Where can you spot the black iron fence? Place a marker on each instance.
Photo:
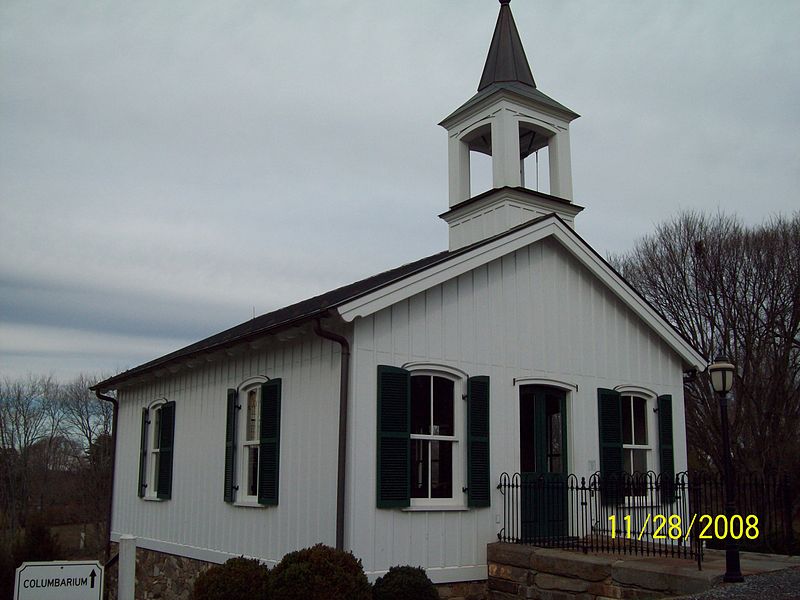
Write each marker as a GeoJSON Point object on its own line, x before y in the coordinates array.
{"type": "Point", "coordinates": [645, 513]}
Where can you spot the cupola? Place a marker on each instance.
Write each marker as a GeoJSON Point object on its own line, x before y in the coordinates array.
{"type": "Point", "coordinates": [508, 119]}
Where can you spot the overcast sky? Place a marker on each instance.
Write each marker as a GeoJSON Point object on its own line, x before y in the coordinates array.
{"type": "Point", "coordinates": [167, 167]}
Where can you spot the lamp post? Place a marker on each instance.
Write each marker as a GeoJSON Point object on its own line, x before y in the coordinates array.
{"type": "Point", "coordinates": [721, 372]}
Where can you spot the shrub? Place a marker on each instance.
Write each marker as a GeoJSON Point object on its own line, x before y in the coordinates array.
{"type": "Point", "coordinates": [238, 579]}
{"type": "Point", "coordinates": [404, 583]}
{"type": "Point", "coordinates": [320, 572]}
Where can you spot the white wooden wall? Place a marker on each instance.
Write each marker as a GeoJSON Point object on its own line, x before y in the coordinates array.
{"type": "Point", "coordinates": [534, 313]}
{"type": "Point", "coordinates": [196, 522]}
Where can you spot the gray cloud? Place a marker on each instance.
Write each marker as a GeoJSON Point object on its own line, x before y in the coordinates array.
{"type": "Point", "coordinates": [166, 167]}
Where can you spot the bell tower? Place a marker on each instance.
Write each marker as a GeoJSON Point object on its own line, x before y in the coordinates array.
{"type": "Point", "coordinates": [508, 119]}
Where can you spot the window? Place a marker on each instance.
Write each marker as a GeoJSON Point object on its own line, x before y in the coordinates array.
{"type": "Point", "coordinates": [422, 429]}
{"type": "Point", "coordinates": [155, 461]}
{"type": "Point", "coordinates": [252, 444]}
{"type": "Point", "coordinates": [635, 450]}
{"type": "Point", "coordinates": [625, 441]}
{"type": "Point", "coordinates": [434, 440]}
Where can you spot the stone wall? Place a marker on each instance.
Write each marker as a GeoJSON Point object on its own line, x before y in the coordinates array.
{"type": "Point", "coordinates": [517, 571]}
{"type": "Point", "coordinates": [159, 576]}
{"type": "Point", "coordinates": [469, 590]}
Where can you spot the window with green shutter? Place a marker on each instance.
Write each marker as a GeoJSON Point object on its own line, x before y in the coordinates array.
{"type": "Point", "coordinates": [230, 446]}
{"type": "Point", "coordinates": [252, 442]}
{"type": "Point", "coordinates": [478, 468]}
{"type": "Point", "coordinates": [142, 490]}
{"type": "Point", "coordinates": [156, 450]}
{"type": "Point", "coordinates": [432, 446]}
{"type": "Point", "coordinates": [609, 418]}
{"type": "Point", "coordinates": [166, 437]}
{"type": "Point", "coordinates": [666, 452]}
{"type": "Point", "coordinates": [394, 422]}
{"type": "Point", "coordinates": [269, 442]}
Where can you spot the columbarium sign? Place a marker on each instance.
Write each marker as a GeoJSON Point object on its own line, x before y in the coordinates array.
{"type": "Point", "coordinates": [59, 580]}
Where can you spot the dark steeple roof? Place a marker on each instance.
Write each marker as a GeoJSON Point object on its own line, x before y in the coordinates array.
{"type": "Point", "coordinates": [506, 61]}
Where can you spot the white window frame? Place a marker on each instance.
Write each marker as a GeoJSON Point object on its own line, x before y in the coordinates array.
{"type": "Point", "coordinates": [152, 441]}
{"type": "Point", "coordinates": [243, 444]}
{"type": "Point", "coordinates": [458, 439]}
{"type": "Point", "coordinates": [628, 397]}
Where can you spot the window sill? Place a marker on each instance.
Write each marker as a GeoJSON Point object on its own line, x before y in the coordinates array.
{"type": "Point", "coordinates": [152, 499]}
{"type": "Point", "coordinates": [249, 504]}
{"type": "Point", "coordinates": [436, 508]}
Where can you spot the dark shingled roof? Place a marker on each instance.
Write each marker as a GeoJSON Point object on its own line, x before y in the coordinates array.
{"type": "Point", "coordinates": [318, 306]}
{"type": "Point", "coordinates": [299, 312]}
{"type": "Point", "coordinates": [506, 61]}
{"type": "Point", "coordinates": [507, 69]}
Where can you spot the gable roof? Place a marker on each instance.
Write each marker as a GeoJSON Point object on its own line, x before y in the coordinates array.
{"type": "Point", "coordinates": [373, 293]}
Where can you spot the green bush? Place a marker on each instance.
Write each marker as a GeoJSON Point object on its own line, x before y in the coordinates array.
{"type": "Point", "coordinates": [320, 572]}
{"type": "Point", "coordinates": [238, 579]}
{"type": "Point", "coordinates": [404, 583]}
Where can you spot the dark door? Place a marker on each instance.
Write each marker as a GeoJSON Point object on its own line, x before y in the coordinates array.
{"type": "Point", "coordinates": [543, 462]}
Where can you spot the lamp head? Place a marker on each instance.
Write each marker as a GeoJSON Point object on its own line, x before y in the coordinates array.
{"type": "Point", "coordinates": [721, 371]}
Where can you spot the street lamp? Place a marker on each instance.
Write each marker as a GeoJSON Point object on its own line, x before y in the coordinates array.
{"type": "Point", "coordinates": [721, 372]}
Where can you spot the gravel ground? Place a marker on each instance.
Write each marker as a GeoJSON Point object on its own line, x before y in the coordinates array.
{"type": "Point", "coordinates": [778, 585]}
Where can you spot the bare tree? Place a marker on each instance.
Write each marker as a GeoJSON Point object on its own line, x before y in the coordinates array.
{"type": "Point", "coordinates": [87, 417]}
{"type": "Point", "coordinates": [732, 290]}
{"type": "Point", "coordinates": [89, 421]}
{"type": "Point", "coordinates": [30, 416]}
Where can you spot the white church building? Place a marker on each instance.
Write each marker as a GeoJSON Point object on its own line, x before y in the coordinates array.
{"type": "Point", "coordinates": [378, 417]}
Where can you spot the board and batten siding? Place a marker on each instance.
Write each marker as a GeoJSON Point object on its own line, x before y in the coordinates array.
{"type": "Point", "coordinates": [536, 312]}
{"type": "Point", "coordinates": [196, 522]}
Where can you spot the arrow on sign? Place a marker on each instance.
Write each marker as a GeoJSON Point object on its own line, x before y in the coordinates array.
{"type": "Point", "coordinates": [92, 575]}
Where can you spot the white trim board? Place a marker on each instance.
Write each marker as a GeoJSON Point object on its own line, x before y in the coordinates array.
{"type": "Point", "coordinates": [552, 227]}
{"type": "Point", "coordinates": [436, 574]}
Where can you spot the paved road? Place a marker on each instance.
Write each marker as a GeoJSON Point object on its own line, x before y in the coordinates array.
{"type": "Point", "coordinates": [776, 585]}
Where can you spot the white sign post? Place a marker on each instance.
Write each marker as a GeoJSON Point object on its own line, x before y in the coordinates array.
{"type": "Point", "coordinates": [59, 580]}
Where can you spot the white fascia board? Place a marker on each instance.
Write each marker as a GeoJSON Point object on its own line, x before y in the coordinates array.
{"type": "Point", "coordinates": [441, 272]}
{"type": "Point", "coordinates": [552, 227]}
{"type": "Point", "coordinates": [580, 250]}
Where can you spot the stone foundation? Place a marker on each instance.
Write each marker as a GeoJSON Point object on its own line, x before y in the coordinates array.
{"type": "Point", "coordinates": [159, 576]}
{"type": "Point", "coordinates": [517, 571]}
{"type": "Point", "coordinates": [468, 590]}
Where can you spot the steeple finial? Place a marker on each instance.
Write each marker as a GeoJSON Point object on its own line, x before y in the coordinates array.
{"type": "Point", "coordinates": [506, 61]}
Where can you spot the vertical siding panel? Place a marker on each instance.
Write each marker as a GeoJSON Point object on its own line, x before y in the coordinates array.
{"type": "Point", "coordinates": [523, 310]}
{"type": "Point", "coordinates": [417, 327]}
{"type": "Point", "coordinates": [450, 318]}
{"type": "Point", "coordinates": [400, 331]}
{"type": "Point", "coordinates": [510, 329]}
{"type": "Point", "coordinates": [383, 334]}
{"type": "Point", "coordinates": [480, 287]}
{"type": "Point", "coordinates": [433, 321]}
{"type": "Point", "coordinates": [466, 318]}
{"type": "Point", "coordinates": [496, 319]}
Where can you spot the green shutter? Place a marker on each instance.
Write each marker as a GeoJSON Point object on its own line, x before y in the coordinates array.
{"type": "Point", "coordinates": [478, 471]}
{"type": "Point", "coordinates": [666, 452]}
{"type": "Point", "coordinates": [609, 417]}
{"type": "Point", "coordinates": [394, 427]}
{"type": "Point", "coordinates": [143, 455]}
{"type": "Point", "coordinates": [165, 448]}
{"type": "Point", "coordinates": [230, 447]}
{"type": "Point", "coordinates": [270, 444]}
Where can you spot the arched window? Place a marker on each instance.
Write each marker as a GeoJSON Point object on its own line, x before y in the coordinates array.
{"type": "Point", "coordinates": [157, 442]}
{"type": "Point", "coordinates": [252, 442]}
